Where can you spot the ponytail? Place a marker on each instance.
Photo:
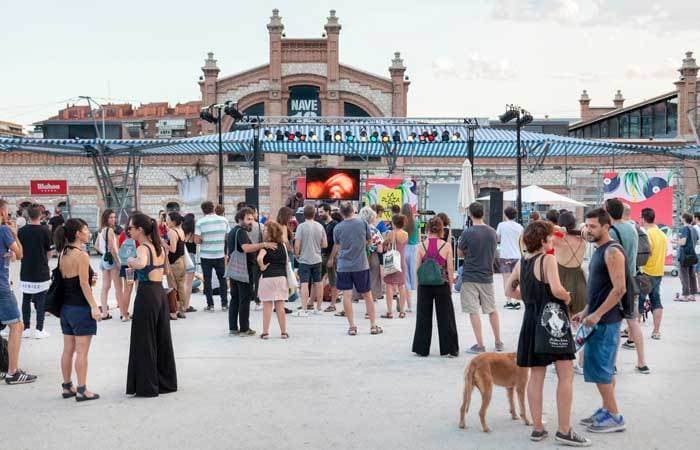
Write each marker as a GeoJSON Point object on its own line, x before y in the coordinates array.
{"type": "Point", "coordinates": [150, 229]}
{"type": "Point", "coordinates": [154, 235]}
{"type": "Point", "coordinates": [59, 238]}
{"type": "Point", "coordinates": [67, 233]}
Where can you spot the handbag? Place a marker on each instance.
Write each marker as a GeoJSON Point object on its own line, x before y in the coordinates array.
{"type": "Point", "coordinates": [553, 330]}
{"type": "Point", "coordinates": [172, 300]}
{"type": "Point", "coordinates": [108, 257]}
{"type": "Point", "coordinates": [392, 259]}
{"type": "Point", "coordinates": [189, 263]}
{"type": "Point", "coordinates": [237, 268]}
{"type": "Point", "coordinates": [292, 283]}
{"type": "Point", "coordinates": [54, 296]}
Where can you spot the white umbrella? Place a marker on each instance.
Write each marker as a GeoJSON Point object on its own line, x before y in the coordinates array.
{"type": "Point", "coordinates": [536, 194]}
{"type": "Point", "coordinates": [466, 188]}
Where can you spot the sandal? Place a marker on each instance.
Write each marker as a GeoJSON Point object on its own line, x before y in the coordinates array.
{"type": "Point", "coordinates": [284, 335]}
{"type": "Point", "coordinates": [264, 336]}
{"type": "Point", "coordinates": [386, 316]}
{"type": "Point", "coordinates": [376, 330]}
{"type": "Point", "coordinates": [366, 315]}
{"type": "Point", "coordinates": [68, 387]}
{"type": "Point", "coordinates": [656, 336]}
{"type": "Point", "coordinates": [329, 309]}
{"type": "Point", "coordinates": [402, 315]}
{"type": "Point", "coordinates": [109, 316]}
{"type": "Point", "coordinates": [81, 397]}
{"type": "Point", "coordinates": [352, 331]}
{"type": "Point", "coordinates": [181, 315]}
{"type": "Point", "coordinates": [340, 314]}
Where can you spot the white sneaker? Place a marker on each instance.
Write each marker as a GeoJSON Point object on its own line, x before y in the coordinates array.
{"type": "Point", "coordinates": [258, 306]}
{"type": "Point", "coordinates": [318, 312]}
{"type": "Point", "coordinates": [5, 333]}
{"type": "Point", "coordinates": [27, 333]}
{"type": "Point", "coordinates": [301, 313]}
{"type": "Point", "coordinates": [578, 370]}
{"type": "Point", "coordinates": [41, 334]}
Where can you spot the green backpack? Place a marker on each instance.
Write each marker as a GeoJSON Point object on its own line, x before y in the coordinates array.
{"type": "Point", "coordinates": [430, 273]}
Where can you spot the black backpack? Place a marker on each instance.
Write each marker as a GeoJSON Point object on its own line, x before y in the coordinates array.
{"type": "Point", "coordinates": [4, 356]}
{"type": "Point", "coordinates": [628, 301]}
{"type": "Point", "coordinates": [643, 247]}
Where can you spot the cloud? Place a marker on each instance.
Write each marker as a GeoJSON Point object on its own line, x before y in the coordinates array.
{"type": "Point", "coordinates": [473, 67]}
{"type": "Point", "coordinates": [581, 77]}
{"type": "Point", "coordinates": [664, 72]}
{"type": "Point", "coordinates": [671, 16]}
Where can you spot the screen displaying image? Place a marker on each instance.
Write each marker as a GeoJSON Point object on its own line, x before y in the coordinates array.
{"type": "Point", "coordinates": [332, 184]}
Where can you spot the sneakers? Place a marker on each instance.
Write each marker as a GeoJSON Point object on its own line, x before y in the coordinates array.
{"type": "Point", "coordinates": [20, 377]}
{"type": "Point", "coordinates": [209, 308]}
{"type": "Point", "coordinates": [41, 334]}
{"type": "Point", "coordinates": [317, 312]}
{"type": "Point", "coordinates": [512, 305]}
{"type": "Point", "coordinates": [234, 333]}
{"type": "Point", "coordinates": [224, 307]}
{"type": "Point", "coordinates": [248, 332]}
{"type": "Point", "coordinates": [500, 346]}
{"type": "Point", "coordinates": [572, 439]}
{"type": "Point", "coordinates": [258, 306]}
{"type": "Point", "coordinates": [5, 333]}
{"type": "Point", "coordinates": [588, 421]}
{"type": "Point", "coordinates": [27, 333]}
{"type": "Point", "coordinates": [629, 345]}
{"type": "Point", "coordinates": [578, 370]}
{"type": "Point", "coordinates": [539, 435]}
{"type": "Point", "coordinates": [301, 313]}
{"type": "Point", "coordinates": [607, 423]}
{"type": "Point", "coordinates": [475, 349]}
{"type": "Point", "coordinates": [644, 369]}
{"type": "Point", "coordinates": [624, 334]}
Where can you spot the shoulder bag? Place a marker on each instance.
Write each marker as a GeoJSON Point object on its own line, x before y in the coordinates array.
{"type": "Point", "coordinates": [237, 268]}
{"type": "Point", "coordinates": [54, 296]}
{"type": "Point", "coordinates": [392, 258]}
{"type": "Point", "coordinates": [292, 283]}
{"type": "Point", "coordinates": [553, 329]}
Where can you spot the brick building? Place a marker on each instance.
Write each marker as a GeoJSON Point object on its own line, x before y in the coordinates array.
{"type": "Point", "coordinates": [10, 129]}
{"type": "Point", "coordinates": [304, 77]}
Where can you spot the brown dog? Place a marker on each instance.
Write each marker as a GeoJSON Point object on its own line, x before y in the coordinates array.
{"type": "Point", "coordinates": [488, 369]}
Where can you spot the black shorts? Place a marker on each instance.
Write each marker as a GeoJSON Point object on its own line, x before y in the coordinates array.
{"type": "Point", "coordinates": [77, 321]}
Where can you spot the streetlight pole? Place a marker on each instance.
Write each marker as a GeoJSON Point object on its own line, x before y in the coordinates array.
{"type": "Point", "coordinates": [221, 157]}
{"type": "Point", "coordinates": [256, 164]}
{"type": "Point", "coordinates": [522, 118]}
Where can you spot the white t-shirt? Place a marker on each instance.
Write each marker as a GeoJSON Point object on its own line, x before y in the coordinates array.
{"type": "Point", "coordinates": [509, 233]}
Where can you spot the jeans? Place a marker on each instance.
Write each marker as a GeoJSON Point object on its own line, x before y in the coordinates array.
{"type": "Point", "coordinates": [411, 276]}
{"type": "Point", "coordinates": [239, 312]}
{"type": "Point", "coordinates": [38, 299]}
{"type": "Point", "coordinates": [688, 280]}
{"type": "Point", "coordinates": [217, 265]}
{"type": "Point", "coordinates": [654, 295]}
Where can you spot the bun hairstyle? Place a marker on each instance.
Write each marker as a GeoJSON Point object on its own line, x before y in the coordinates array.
{"type": "Point", "coordinates": [67, 233]}
{"type": "Point", "coordinates": [436, 225]}
{"type": "Point", "coordinates": [150, 229]}
{"type": "Point", "coordinates": [175, 217]}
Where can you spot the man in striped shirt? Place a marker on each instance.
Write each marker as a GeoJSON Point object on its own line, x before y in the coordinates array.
{"type": "Point", "coordinates": [210, 233]}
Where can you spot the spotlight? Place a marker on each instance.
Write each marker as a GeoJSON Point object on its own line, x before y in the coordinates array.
{"type": "Point", "coordinates": [431, 136]}
{"type": "Point", "coordinates": [423, 137]}
{"type": "Point", "coordinates": [349, 137]}
{"type": "Point", "coordinates": [385, 137]}
{"type": "Point", "coordinates": [363, 135]}
{"type": "Point", "coordinates": [445, 136]}
{"type": "Point", "coordinates": [338, 136]}
{"type": "Point", "coordinates": [457, 136]}
{"type": "Point", "coordinates": [327, 136]}
{"type": "Point", "coordinates": [411, 137]}
{"type": "Point", "coordinates": [525, 118]}
{"type": "Point", "coordinates": [397, 136]}
{"type": "Point", "coordinates": [207, 116]}
{"type": "Point", "coordinates": [290, 136]}
{"type": "Point", "coordinates": [312, 136]}
{"type": "Point", "coordinates": [279, 135]}
{"type": "Point", "coordinates": [374, 137]}
{"type": "Point", "coordinates": [510, 114]}
{"type": "Point", "coordinates": [231, 110]}
{"type": "Point", "coordinates": [268, 135]}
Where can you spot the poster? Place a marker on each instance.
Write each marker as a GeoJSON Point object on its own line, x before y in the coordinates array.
{"type": "Point", "coordinates": [642, 189]}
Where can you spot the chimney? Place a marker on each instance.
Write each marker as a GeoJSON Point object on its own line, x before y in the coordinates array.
{"type": "Point", "coordinates": [687, 87]}
{"type": "Point", "coordinates": [585, 102]}
{"type": "Point", "coordinates": [619, 100]}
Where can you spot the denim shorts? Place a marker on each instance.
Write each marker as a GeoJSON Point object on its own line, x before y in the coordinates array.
{"type": "Point", "coordinates": [600, 353]}
{"type": "Point", "coordinates": [9, 312]}
{"type": "Point", "coordinates": [104, 265]}
{"type": "Point", "coordinates": [309, 273]}
{"type": "Point", "coordinates": [77, 321]}
{"type": "Point", "coordinates": [360, 280]}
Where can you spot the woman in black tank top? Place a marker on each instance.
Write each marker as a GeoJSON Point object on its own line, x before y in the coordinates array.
{"type": "Point", "coordinates": [535, 279]}
{"type": "Point", "coordinates": [176, 257]}
{"type": "Point", "coordinates": [191, 246]}
{"type": "Point", "coordinates": [79, 310]}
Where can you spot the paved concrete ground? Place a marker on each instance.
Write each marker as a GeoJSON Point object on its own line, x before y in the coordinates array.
{"type": "Point", "coordinates": [322, 389]}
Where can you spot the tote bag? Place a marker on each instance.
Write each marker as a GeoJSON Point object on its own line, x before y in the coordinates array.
{"type": "Point", "coordinates": [553, 330]}
{"type": "Point", "coordinates": [237, 268]}
{"type": "Point", "coordinates": [189, 263]}
{"type": "Point", "coordinates": [54, 296]}
{"type": "Point", "coordinates": [291, 277]}
{"type": "Point", "coordinates": [392, 259]}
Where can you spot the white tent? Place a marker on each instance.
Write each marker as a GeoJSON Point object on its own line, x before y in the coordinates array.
{"type": "Point", "coordinates": [536, 194]}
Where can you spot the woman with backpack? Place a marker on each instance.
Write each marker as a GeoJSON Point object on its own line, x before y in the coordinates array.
{"type": "Point", "coordinates": [127, 249]}
{"type": "Point", "coordinates": [435, 270]}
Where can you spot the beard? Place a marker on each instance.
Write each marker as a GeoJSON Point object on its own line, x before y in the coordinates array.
{"type": "Point", "coordinates": [248, 226]}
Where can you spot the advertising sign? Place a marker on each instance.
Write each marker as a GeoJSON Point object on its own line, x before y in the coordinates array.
{"type": "Point", "coordinates": [48, 187]}
{"type": "Point", "coordinates": [303, 102]}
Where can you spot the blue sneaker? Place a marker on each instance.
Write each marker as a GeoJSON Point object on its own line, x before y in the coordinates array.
{"type": "Point", "coordinates": [588, 421]}
{"type": "Point", "coordinates": [607, 423]}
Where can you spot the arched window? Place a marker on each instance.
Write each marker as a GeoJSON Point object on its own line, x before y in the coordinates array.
{"type": "Point", "coordinates": [352, 110]}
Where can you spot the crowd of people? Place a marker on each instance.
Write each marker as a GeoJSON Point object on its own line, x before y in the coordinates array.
{"type": "Point", "coordinates": [320, 253]}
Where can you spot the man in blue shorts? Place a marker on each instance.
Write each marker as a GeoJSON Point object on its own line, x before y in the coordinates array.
{"type": "Point", "coordinates": [9, 313]}
{"type": "Point", "coordinates": [350, 238]}
{"type": "Point", "coordinates": [606, 286]}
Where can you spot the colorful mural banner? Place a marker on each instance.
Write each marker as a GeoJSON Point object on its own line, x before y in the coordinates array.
{"type": "Point", "coordinates": [388, 192]}
{"type": "Point", "coordinates": [638, 189]}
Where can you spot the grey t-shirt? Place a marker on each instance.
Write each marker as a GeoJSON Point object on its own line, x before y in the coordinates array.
{"type": "Point", "coordinates": [478, 243]}
{"type": "Point", "coordinates": [627, 236]}
{"type": "Point", "coordinates": [312, 236]}
{"type": "Point", "coordinates": [352, 236]}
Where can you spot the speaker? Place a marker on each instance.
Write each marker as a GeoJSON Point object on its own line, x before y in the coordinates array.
{"type": "Point", "coordinates": [250, 196]}
{"type": "Point", "coordinates": [495, 208]}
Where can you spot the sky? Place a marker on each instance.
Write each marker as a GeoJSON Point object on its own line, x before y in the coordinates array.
{"type": "Point", "coordinates": [464, 58]}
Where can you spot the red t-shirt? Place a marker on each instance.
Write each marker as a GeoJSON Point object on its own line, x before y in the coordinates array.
{"type": "Point", "coordinates": [122, 238]}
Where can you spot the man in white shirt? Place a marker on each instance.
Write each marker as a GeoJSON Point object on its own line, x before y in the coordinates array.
{"type": "Point", "coordinates": [210, 233]}
{"type": "Point", "coordinates": [509, 232]}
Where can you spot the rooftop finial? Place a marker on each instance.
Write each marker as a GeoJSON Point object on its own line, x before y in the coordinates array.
{"type": "Point", "coordinates": [397, 62]}
{"type": "Point", "coordinates": [584, 96]}
{"type": "Point", "coordinates": [618, 96]}
{"type": "Point", "coordinates": [275, 24]}
{"type": "Point", "coordinates": [210, 62]}
{"type": "Point", "coordinates": [332, 24]}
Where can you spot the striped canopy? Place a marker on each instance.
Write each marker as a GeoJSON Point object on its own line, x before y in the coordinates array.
{"type": "Point", "coordinates": [488, 143]}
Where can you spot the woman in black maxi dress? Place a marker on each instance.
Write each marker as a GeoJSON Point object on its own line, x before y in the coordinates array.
{"type": "Point", "coordinates": [151, 358]}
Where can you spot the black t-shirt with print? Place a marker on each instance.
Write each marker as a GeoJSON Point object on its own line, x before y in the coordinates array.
{"type": "Point", "coordinates": [36, 242]}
